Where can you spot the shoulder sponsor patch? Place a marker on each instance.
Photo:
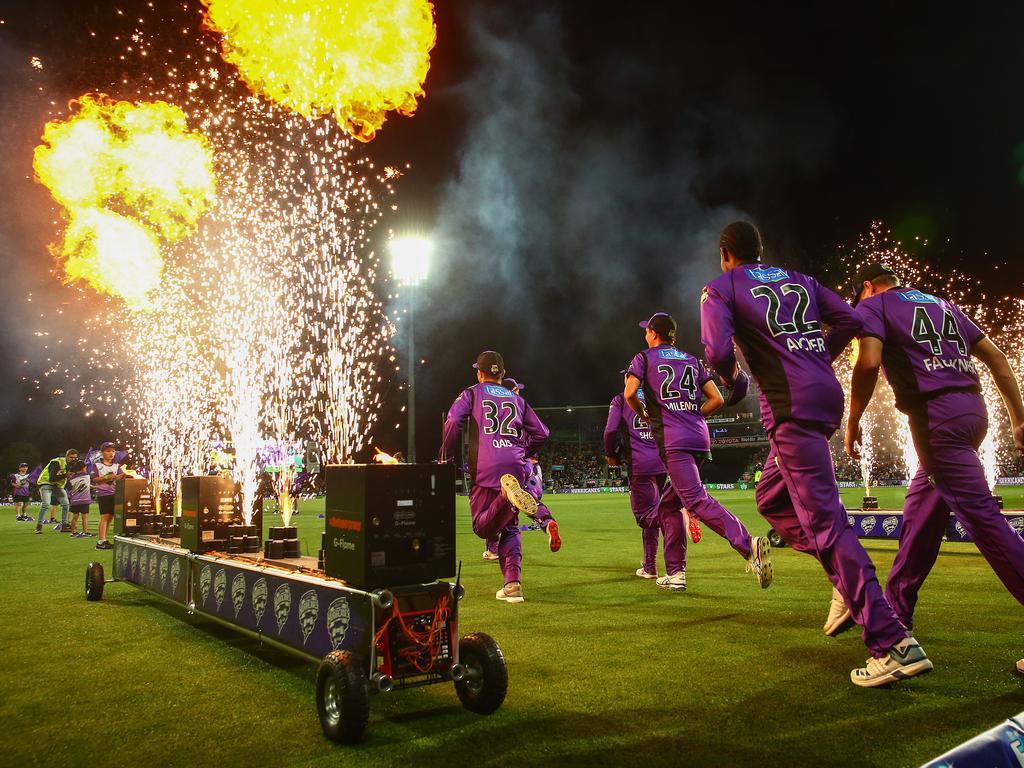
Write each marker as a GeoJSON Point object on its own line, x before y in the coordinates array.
{"type": "Point", "coordinates": [766, 274]}
{"type": "Point", "coordinates": [671, 354]}
{"type": "Point", "coordinates": [495, 390]}
{"type": "Point", "coordinates": [917, 297]}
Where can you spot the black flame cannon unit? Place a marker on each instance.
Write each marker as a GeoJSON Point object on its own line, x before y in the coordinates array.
{"type": "Point", "coordinates": [212, 519]}
{"type": "Point", "coordinates": [379, 616]}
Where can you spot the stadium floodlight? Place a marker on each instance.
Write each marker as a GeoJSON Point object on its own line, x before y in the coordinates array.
{"type": "Point", "coordinates": [410, 259]}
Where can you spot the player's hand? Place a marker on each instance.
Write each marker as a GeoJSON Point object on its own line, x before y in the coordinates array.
{"type": "Point", "coordinates": [1018, 437]}
{"type": "Point", "coordinates": [612, 461]}
{"type": "Point", "coordinates": [853, 440]}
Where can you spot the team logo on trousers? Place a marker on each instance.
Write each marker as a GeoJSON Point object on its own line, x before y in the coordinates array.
{"type": "Point", "coordinates": [163, 572]}
{"type": "Point", "coordinates": [961, 530]}
{"type": "Point", "coordinates": [152, 569]}
{"type": "Point", "coordinates": [259, 599]}
{"type": "Point", "coordinates": [220, 587]}
{"type": "Point", "coordinates": [238, 592]}
{"type": "Point", "coordinates": [282, 605]}
{"type": "Point", "coordinates": [175, 575]}
{"type": "Point", "coordinates": [867, 524]}
{"type": "Point", "coordinates": [205, 579]}
{"type": "Point", "coordinates": [338, 616]}
{"type": "Point", "coordinates": [889, 524]}
{"type": "Point", "coordinates": [309, 610]}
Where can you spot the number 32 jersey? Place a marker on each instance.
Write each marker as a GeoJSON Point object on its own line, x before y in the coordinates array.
{"type": "Point", "coordinates": [926, 344]}
{"type": "Point", "coordinates": [777, 318]}
{"type": "Point", "coordinates": [503, 432]}
{"type": "Point", "coordinates": [672, 382]}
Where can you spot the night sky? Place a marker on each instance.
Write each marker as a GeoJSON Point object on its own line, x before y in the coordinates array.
{"type": "Point", "coordinates": [574, 161]}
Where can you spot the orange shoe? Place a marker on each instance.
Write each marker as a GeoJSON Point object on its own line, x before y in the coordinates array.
{"type": "Point", "coordinates": [693, 526]}
{"type": "Point", "coordinates": [554, 540]}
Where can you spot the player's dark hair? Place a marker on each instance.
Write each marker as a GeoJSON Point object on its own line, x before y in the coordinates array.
{"type": "Point", "coordinates": [742, 240]}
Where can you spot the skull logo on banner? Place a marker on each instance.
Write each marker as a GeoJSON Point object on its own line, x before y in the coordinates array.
{"type": "Point", "coordinates": [889, 524]}
{"type": "Point", "coordinates": [282, 605]}
{"type": "Point", "coordinates": [309, 610]}
{"type": "Point", "coordinates": [205, 579]}
{"type": "Point", "coordinates": [867, 524]}
{"type": "Point", "coordinates": [238, 592]}
{"type": "Point", "coordinates": [175, 575]}
{"type": "Point", "coordinates": [338, 616]}
{"type": "Point", "coordinates": [220, 587]}
{"type": "Point", "coordinates": [259, 599]}
{"type": "Point", "coordinates": [163, 572]}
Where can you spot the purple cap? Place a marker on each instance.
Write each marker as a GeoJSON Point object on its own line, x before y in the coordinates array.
{"type": "Point", "coordinates": [512, 384]}
{"type": "Point", "coordinates": [106, 445]}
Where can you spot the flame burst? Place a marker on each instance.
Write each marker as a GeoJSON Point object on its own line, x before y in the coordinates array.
{"type": "Point", "coordinates": [354, 59]}
{"type": "Point", "coordinates": [129, 177]}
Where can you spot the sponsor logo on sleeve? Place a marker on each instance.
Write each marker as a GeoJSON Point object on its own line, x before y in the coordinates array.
{"type": "Point", "coordinates": [238, 592]}
{"type": "Point", "coordinates": [867, 524]}
{"type": "Point", "coordinates": [259, 599]}
{"type": "Point", "coordinates": [889, 524]}
{"type": "Point", "coordinates": [766, 274]}
{"type": "Point", "coordinates": [220, 587]}
{"type": "Point", "coordinates": [282, 605]}
{"type": "Point", "coordinates": [338, 616]}
{"type": "Point", "coordinates": [309, 610]}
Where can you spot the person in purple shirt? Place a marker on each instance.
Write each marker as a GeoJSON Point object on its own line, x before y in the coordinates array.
{"type": "Point", "coordinates": [20, 486]}
{"type": "Point", "coordinates": [673, 383]}
{"type": "Point", "coordinates": [105, 474]}
{"type": "Point", "coordinates": [503, 432]}
{"type": "Point", "coordinates": [628, 440]}
{"type": "Point", "coordinates": [80, 497]}
{"type": "Point", "coordinates": [777, 317]}
{"type": "Point", "coordinates": [927, 347]}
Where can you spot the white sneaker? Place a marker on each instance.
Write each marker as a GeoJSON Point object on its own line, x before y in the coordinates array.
{"type": "Point", "coordinates": [1019, 669]}
{"type": "Point", "coordinates": [645, 574]}
{"type": "Point", "coordinates": [511, 593]}
{"type": "Point", "coordinates": [904, 660]}
{"type": "Point", "coordinates": [760, 560]}
{"type": "Point", "coordinates": [839, 617]}
{"type": "Point", "coordinates": [488, 555]}
{"type": "Point", "coordinates": [519, 497]}
{"type": "Point", "coordinates": [675, 582]}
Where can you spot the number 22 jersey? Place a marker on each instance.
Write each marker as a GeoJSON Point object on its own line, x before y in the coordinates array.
{"type": "Point", "coordinates": [777, 318]}
{"type": "Point", "coordinates": [503, 432]}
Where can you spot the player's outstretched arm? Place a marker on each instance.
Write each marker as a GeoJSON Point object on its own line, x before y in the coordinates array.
{"type": "Point", "coordinates": [865, 377]}
{"type": "Point", "coordinates": [1009, 389]}
{"type": "Point", "coordinates": [843, 321]}
{"type": "Point", "coordinates": [716, 334]}
{"type": "Point", "coordinates": [611, 431]}
{"type": "Point", "coordinates": [713, 399]}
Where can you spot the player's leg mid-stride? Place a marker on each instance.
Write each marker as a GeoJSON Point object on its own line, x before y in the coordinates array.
{"type": "Point", "coordinates": [760, 561]}
{"type": "Point", "coordinates": [523, 500]}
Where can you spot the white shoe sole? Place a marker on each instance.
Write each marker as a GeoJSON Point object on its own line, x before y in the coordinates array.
{"type": "Point", "coordinates": [840, 624]}
{"type": "Point", "coordinates": [511, 599]}
{"type": "Point", "coordinates": [645, 575]}
{"type": "Point", "coordinates": [519, 497]}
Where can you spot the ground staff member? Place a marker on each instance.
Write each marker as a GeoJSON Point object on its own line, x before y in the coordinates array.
{"type": "Point", "coordinates": [51, 484]}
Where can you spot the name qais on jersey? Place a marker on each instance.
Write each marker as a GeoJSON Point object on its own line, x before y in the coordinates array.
{"type": "Point", "coordinates": [785, 306]}
{"type": "Point", "coordinates": [500, 416]}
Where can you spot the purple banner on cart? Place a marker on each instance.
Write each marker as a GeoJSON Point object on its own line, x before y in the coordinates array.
{"type": "Point", "coordinates": [155, 569]}
{"type": "Point", "coordinates": [888, 524]}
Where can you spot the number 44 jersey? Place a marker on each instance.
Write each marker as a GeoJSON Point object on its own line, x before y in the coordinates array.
{"type": "Point", "coordinates": [503, 431]}
{"type": "Point", "coordinates": [927, 344]}
{"type": "Point", "coordinates": [778, 319]}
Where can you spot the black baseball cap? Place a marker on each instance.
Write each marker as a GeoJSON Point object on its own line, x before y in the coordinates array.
{"type": "Point", "coordinates": [490, 362]}
{"type": "Point", "coordinates": [661, 323]}
{"type": "Point", "coordinates": [870, 271]}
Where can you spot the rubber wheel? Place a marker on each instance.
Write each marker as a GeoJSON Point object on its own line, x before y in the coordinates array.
{"type": "Point", "coordinates": [342, 697]}
{"type": "Point", "coordinates": [775, 539]}
{"type": "Point", "coordinates": [94, 581]}
{"type": "Point", "coordinates": [483, 688]}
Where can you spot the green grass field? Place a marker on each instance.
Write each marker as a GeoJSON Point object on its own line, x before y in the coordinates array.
{"type": "Point", "coordinates": [604, 669]}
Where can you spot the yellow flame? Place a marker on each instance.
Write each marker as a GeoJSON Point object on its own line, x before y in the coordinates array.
{"type": "Point", "coordinates": [384, 458]}
{"type": "Point", "coordinates": [129, 176]}
{"type": "Point", "coordinates": [353, 59]}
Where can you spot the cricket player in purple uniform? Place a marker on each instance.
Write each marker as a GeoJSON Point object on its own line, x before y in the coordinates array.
{"type": "Point", "coordinates": [503, 432]}
{"type": "Point", "coordinates": [639, 452]}
{"type": "Point", "coordinates": [926, 344]}
{"type": "Point", "coordinates": [673, 382]}
{"type": "Point", "coordinates": [776, 317]}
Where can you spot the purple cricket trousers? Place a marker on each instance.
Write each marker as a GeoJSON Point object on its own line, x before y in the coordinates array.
{"type": "Point", "coordinates": [951, 478]}
{"type": "Point", "coordinates": [645, 499]}
{"type": "Point", "coordinates": [494, 518]}
{"type": "Point", "coordinates": [687, 490]}
{"type": "Point", "coordinates": [798, 495]}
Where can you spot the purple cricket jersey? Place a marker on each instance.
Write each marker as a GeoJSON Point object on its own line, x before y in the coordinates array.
{"type": "Point", "coordinates": [78, 489]}
{"type": "Point", "coordinates": [20, 482]}
{"type": "Point", "coordinates": [641, 452]}
{"type": "Point", "coordinates": [926, 344]}
{"type": "Point", "coordinates": [503, 431]}
{"type": "Point", "coordinates": [672, 381]}
{"type": "Point", "coordinates": [99, 470]}
{"type": "Point", "coordinates": [776, 316]}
